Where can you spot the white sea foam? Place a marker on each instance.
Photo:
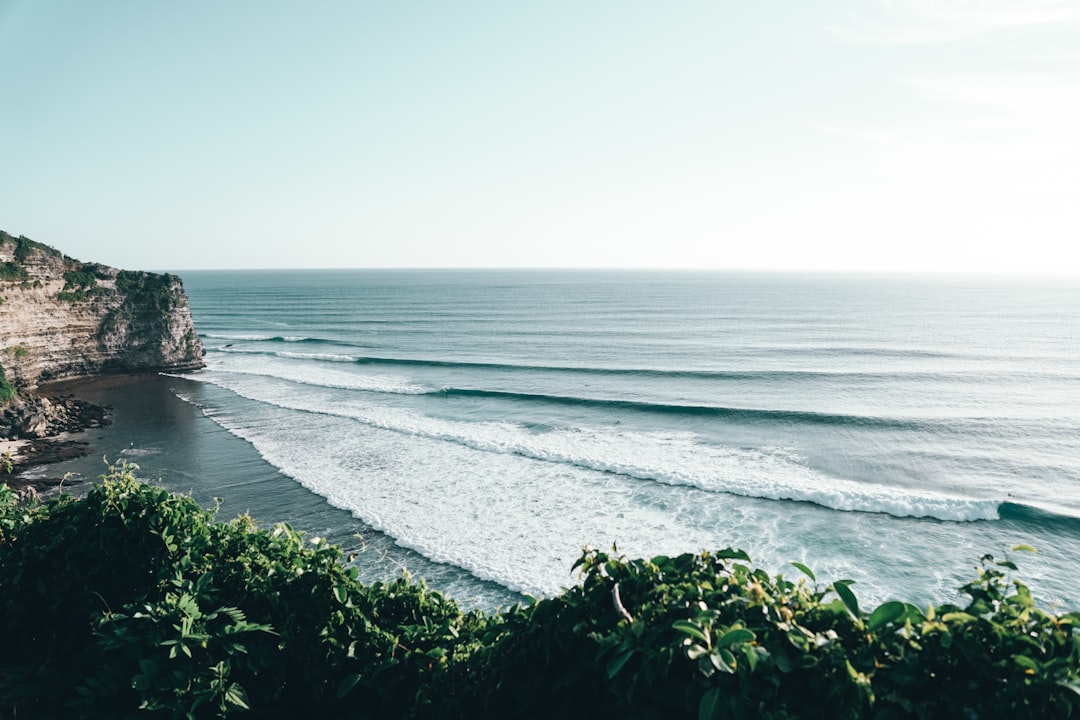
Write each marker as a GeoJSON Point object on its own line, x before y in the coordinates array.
{"type": "Point", "coordinates": [288, 354]}
{"type": "Point", "coordinates": [240, 337]}
{"type": "Point", "coordinates": [324, 357]}
{"type": "Point", "coordinates": [510, 519]}
{"type": "Point", "coordinates": [673, 458]}
{"type": "Point", "coordinates": [521, 522]}
{"type": "Point", "coordinates": [316, 375]}
{"type": "Point", "coordinates": [139, 452]}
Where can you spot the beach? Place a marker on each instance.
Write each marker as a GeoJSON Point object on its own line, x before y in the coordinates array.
{"type": "Point", "coordinates": [175, 445]}
{"type": "Point", "coordinates": [30, 462]}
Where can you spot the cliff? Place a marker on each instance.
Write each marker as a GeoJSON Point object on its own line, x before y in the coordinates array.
{"type": "Point", "coordinates": [62, 319]}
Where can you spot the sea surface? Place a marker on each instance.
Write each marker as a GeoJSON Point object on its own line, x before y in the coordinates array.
{"type": "Point", "coordinates": [480, 428]}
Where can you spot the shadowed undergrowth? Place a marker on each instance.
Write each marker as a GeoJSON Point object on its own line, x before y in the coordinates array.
{"type": "Point", "coordinates": [134, 601]}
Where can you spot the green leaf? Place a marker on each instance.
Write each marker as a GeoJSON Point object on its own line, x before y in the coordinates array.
{"type": "Point", "coordinates": [858, 677]}
{"type": "Point", "coordinates": [805, 570]}
{"type": "Point", "coordinates": [711, 707]}
{"type": "Point", "coordinates": [842, 589]}
{"type": "Point", "coordinates": [619, 663]}
{"type": "Point", "coordinates": [738, 635]}
{"type": "Point", "coordinates": [235, 614]}
{"type": "Point", "coordinates": [726, 660]}
{"type": "Point", "coordinates": [347, 685]}
{"type": "Point", "coordinates": [1024, 548]}
{"type": "Point", "coordinates": [1073, 685]}
{"type": "Point", "coordinates": [958, 617]}
{"type": "Point", "coordinates": [1025, 662]}
{"type": "Point", "coordinates": [886, 613]}
{"type": "Point", "coordinates": [914, 613]}
{"type": "Point", "coordinates": [692, 629]}
{"type": "Point", "coordinates": [695, 651]}
{"type": "Point", "coordinates": [732, 554]}
{"type": "Point", "coordinates": [236, 695]}
{"type": "Point", "coordinates": [751, 657]}
{"type": "Point", "coordinates": [142, 682]}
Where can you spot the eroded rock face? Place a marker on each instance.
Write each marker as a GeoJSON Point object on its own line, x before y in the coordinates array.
{"type": "Point", "coordinates": [30, 416]}
{"type": "Point", "coordinates": [61, 318]}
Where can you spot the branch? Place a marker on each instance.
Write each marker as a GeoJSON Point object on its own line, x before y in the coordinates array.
{"type": "Point", "coordinates": [620, 610]}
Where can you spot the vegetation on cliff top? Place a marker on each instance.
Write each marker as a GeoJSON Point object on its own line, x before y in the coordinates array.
{"type": "Point", "coordinates": [14, 270]}
{"type": "Point", "coordinates": [134, 600]}
{"type": "Point", "coordinates": [24, 246]}
{"type": "Point", "coordinates": [152, 291]}
{"type": "Point", "coordinates": [151, 294]}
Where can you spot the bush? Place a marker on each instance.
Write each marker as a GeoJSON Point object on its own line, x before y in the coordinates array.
{"type": "Point", "coordinates": [25, 247]}
{"type": "Point", "coordinates": [709, 636]}
{"type": "Point", "coordinates": [137, 601]}
{"type": "Point", "coordinates": [79, 295]}
{"type": "Point", "coordinates": [7, 390]}
{"type": "Point", "coordinates": [79, 280]}
{"type": "Point", "coordinates": [13, 272]}
{"type": "Point", "coordinates": [152, 293]}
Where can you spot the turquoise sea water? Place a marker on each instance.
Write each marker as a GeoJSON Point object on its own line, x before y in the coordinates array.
{"type": "Point", "coordinates": [481, 427]}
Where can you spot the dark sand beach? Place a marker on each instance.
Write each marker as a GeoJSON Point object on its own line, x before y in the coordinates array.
{"type": "Point", "coordinates": [174, 444]}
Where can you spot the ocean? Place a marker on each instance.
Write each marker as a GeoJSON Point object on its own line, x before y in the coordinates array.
{"type": "Point", "coordinates": [480, 428]}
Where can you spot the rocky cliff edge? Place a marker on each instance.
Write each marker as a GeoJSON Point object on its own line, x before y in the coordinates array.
{"type": "Point", "coordinates": [62, 319]}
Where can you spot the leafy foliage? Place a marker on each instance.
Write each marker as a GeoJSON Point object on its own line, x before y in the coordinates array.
{"type": "Point", "coordinates": [709, 636]}
{"type": "Point", "coordinates": [79, 280]}
{"type": "Point", "coordinates": [7, 390]}
{"type": "Point", "coordinates": [13, 272]}
{"type": "Point", "coordinates": [149, 293]}
{"type": "Point", "coordinates": [142, 603]}
{"type": "Point", "coordinates": [24, 247]}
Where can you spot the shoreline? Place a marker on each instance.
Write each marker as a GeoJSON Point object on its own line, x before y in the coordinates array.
{"type": "Point", "coordinates": [25, 461]}
{"type": "Point", "coordinates": [29, 457]}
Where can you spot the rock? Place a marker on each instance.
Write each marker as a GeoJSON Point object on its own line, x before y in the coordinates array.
{"type": "Point", "coordinates": [26, 495]}
{"type": "Point", "coordinates": [63, 319]}
{"type": "Point", "coordinates": [35, 426]}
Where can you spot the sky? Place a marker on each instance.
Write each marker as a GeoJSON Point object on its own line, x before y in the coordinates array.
{"type": "Point", "coordinates": [806, 135]}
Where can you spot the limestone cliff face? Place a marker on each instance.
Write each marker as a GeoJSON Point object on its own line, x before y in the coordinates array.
{"type": "Point", "coordinates": [60, 318]}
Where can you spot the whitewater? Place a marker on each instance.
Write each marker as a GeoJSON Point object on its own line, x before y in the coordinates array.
{"type": "Point", "coordinates": [491, 424]}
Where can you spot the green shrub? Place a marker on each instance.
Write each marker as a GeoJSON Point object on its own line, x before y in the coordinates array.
{"type": "Point", "coordinates": [7, 390]}
{"type": "Point", "coordinates": [24, 247]}
{"type": "Point", "coordinates": [139, 601]}
{"type": "Point", "coordinates": [707, 636]}
{"type": "Point", "coordinates": [147, 294]}
{"type": "Point", "coordinates": [79, 280]}
{"type": "Point", "coordinates": [135, 601]}
{"type": "Point", "coordinates": [13, 272]}
{"type": "Point", "coordinates": [80, 284]}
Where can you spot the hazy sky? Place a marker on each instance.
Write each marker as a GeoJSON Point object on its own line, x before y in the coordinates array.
{"type": "Point", "coordinates": [896, 135]}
